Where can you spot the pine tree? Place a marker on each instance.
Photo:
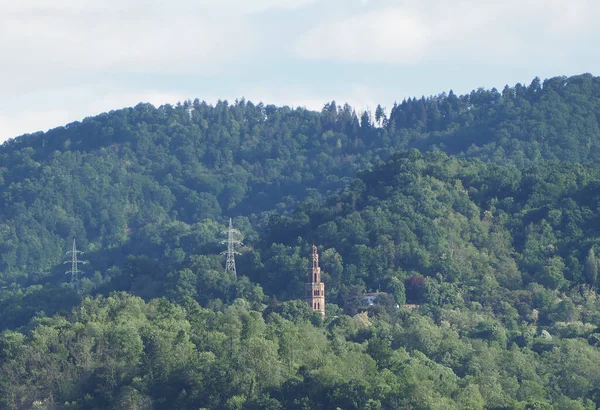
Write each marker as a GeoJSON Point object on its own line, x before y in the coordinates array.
{"type": "Point", "coordinates": [591, 267]}
{"type": "Point", "coordinates": [379, 115]}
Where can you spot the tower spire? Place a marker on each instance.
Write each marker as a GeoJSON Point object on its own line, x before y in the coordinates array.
{"type": "Point", "coordinates": [232, 242]}
{"type": "Point", "coordinates": [314, 288]}
{"type": "Point", "coordinates": [75, 272]}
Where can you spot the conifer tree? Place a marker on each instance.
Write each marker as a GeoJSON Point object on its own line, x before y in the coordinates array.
{"type": "Point", "coordinates": [591, 267]}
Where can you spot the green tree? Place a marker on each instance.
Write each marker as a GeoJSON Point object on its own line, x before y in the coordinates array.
{"type": "Point", "coordinates": [591, 268]}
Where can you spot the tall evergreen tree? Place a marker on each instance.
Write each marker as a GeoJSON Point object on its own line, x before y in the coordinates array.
{"type": "Point", "coordinates": [591, 267]}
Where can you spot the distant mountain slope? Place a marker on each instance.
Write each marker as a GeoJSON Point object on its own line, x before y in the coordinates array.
{"type": "Point", "coordinates": [122, 178]}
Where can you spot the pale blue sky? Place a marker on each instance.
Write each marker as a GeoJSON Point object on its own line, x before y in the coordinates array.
{"type": "Point", "coordinates": [63, 60]}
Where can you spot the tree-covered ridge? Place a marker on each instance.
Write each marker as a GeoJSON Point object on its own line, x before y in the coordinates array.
{"type": "Point", "coordinates": [554, 119]}
{"type": "Point", "coordinates": [111, 176]}
{"type": "Point", "coordinates": [107, 178]}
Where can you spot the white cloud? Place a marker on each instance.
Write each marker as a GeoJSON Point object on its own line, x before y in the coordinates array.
{"type": "Point", "coordinates": [129, 35]}
{"type": "Point", "coordinates": [77, 46]}
{"type": "Point", "coordinates": [256, 6]}
{"type": "Point", "coordinates": [375, 36]}
{"type": "Point", "coordinates": [475, 31]}
{"type": "Point", "coordinates": [230, 6]}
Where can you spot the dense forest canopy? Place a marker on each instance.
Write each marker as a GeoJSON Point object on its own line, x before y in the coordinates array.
{"type": "Point", "coordinates": [480, 210]}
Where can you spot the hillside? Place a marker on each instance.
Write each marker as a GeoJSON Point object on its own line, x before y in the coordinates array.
{"type": "Point", "coordinates": [191, 162]}
{"type": "Point", "coordinates": [491, 229]}
{"type": "Point", "coordinates": [479, 232]}
{"type": "Point", "coordinates": [505, 320]}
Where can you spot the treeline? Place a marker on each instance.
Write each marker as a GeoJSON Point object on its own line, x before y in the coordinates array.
{"type": "Point", "coordinates": [556, 119]}
{"type": "Point", "coordinates": [120, 352]}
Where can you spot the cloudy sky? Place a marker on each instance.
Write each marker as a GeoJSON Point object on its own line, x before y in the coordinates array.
{"type": "Point", "coordinates": [63, 60]}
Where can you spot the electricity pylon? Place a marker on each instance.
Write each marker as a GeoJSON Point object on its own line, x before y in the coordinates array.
{"type": "Point", "coordinates": [74, 266]}
{"type": "Point", "coordinates": [232, 242]}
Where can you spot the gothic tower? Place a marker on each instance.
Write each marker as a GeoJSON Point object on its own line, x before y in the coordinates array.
{"type": "Point", "coordinates": [315, 289]}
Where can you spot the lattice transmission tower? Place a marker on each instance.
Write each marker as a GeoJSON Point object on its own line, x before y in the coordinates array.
{"type": "Point", "coordinates": [233, 236]}
{"type": "Point", "coordinates": [75, 272]}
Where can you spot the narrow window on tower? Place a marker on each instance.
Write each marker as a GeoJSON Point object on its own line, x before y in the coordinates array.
{"type": "Point", "coordinates": [315, 278]}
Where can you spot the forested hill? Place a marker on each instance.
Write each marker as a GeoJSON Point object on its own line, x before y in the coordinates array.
{"type": "Point", "coordinates": [114, 177]}
{"type": "Point", "coordinates": [480, 210]}
{"type": "Point", "coordinates": [500, 261]}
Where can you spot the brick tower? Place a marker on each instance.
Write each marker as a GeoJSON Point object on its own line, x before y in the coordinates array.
{"type": "Point", "coordinates": [314, 288]}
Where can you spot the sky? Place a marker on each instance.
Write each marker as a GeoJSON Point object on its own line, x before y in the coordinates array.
{"type": "Point", "coordinates": [64, 60]}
